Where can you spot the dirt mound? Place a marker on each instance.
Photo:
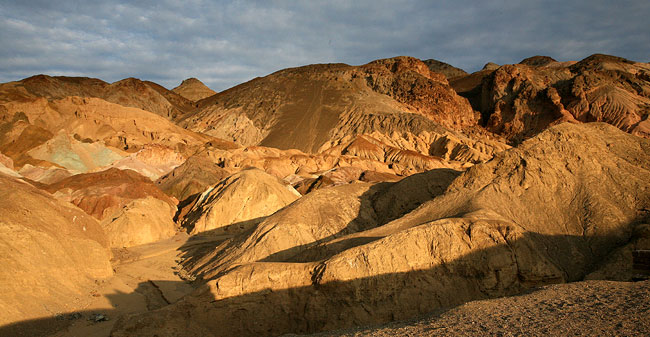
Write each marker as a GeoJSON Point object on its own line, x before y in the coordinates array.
{"type": "Point", "coordinates": [329, 261]}
{"type": "Point", "coordinates": [193, 89]}
{"type": "Point", "coordinates": [51, 253]}
{"type": "Point", "coordinates": [101, 193]}
{"type": "Point", "coordinates": [141, 221]}
{"type": "Point", "coordinates": [237, 202]}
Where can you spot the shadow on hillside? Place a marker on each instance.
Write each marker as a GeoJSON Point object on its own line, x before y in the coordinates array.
{"type": "Point", "coordinates": [508, 269]}
{"type": "Point", "coordinates": [147, 296]}
{"type": "Point", "coordinates": [384, 201]}
{"type": "Point", "coordinates": [501, 270]}
{"type": "Point", "coordinates": [349, 300]}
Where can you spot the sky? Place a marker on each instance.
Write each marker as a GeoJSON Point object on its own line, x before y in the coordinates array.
{"type": "Point", "coordinates": [225, 43]}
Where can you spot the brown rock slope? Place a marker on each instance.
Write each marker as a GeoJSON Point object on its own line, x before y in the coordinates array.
{"type": "Point", "coordinates": [50, 251]}
{"type": "Point", "coordinates": [101, 193]}
{"type": "Point", "coordinates": [518, 101]}
{"type": "Point", "coordinates": [193, 89]}
{"type": "Point", "coordinates": [488, 235]}
{"type": "Point", "coordinates": [238, 202]}
{"type": "Point", "coordinates": [315, 107]}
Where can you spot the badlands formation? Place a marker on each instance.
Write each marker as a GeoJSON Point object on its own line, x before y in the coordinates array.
{"type": "Point", "coordinates": [397, 197]}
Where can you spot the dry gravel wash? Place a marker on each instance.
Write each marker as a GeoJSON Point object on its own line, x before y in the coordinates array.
{"type": "Point", "coordinates": [588, 308]}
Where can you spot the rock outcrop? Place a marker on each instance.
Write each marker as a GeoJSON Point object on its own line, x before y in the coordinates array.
{"type": "Point", "coordinates": [448, 70]}
{"type": "Point", "coordinates": [521, 100]}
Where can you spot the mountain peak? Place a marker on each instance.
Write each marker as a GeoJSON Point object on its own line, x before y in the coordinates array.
{"type": "Point", "coordinates": [193, 89]}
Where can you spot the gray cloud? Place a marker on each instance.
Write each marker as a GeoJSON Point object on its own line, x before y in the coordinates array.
{"type": "Point", "coordinates": [226, 43]}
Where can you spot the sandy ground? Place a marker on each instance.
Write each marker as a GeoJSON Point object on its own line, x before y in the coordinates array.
{"type": "Point", "coordinates": [145, 279]}
{"type": "Point", "coordinates": [588, 308]}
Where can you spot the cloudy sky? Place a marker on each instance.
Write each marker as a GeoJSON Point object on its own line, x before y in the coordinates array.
{"type": "Point", "coordinates": [224, 43]}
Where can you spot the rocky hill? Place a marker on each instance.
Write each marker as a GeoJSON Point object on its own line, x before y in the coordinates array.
{"type": "Point", "coordinates": [325, 197]}
{"type": "Point", "coordinates": [333, 259]}
{"type": "Point", "coordinates": [521, 100]}
{"type": "Point", "coordinates": [193, 89]}
{"type": "Point", "coordinates": [129, 92]}
{"type": "Point", "coordinates": [313, 107]}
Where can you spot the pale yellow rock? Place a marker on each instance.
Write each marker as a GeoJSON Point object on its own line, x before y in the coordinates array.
{"type": "Point", "coordinates": [237, 202]}
{"type": "Point", "coordinates": [141, 221]}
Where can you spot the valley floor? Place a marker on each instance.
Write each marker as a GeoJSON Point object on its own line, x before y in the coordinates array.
{"type": "Point", "coordinates": [146, 278]}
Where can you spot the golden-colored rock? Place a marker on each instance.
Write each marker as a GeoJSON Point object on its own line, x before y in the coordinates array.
{"type": "Point", "coordinates": [519, 101]}
{"type": "Point", "coordinates": [50, 251]}
{"type": "Point", "coordinates": [141, 221]}
{"type": "Point", "coordinates": [237, 202]}
{"type": "Point", "coordinates": [330, 260]}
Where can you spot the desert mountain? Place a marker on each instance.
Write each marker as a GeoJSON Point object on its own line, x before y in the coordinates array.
{"type": "Point", "coordinates": [521, 100]}
{"type": "Point", "coordinates": [51, 253]}
{"type": "Point", "coordinates": [193, 90]}
{"type": "Point", "coordinates": [320, 197]}
{"type": "Point", "coordinates": [335, 258]}
{"type": "Point", "coordinates": [315, 107]}
{"type": "Point", "coordinates": [129, 92]}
